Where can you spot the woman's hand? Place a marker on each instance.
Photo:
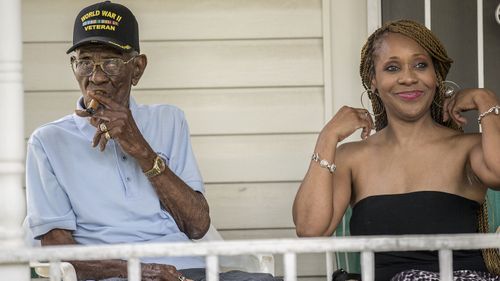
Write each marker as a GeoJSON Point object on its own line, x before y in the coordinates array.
{"type": "Point", "coordinates": [346, 121]}
{"type": "Point", "coordinates": [465, 100]}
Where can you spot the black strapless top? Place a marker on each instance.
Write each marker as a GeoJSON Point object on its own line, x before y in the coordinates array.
{"type": "Point", "coordinates": [423, 212]}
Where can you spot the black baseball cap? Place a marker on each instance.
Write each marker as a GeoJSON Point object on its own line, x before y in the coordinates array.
{"type": "Point", "coordinates": [107, 23]}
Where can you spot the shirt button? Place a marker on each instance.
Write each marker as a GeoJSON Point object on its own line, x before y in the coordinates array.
{"type": "Point", "coordinates": [128, 179]}
{"type": "Point", "coordinates": [124, 157]}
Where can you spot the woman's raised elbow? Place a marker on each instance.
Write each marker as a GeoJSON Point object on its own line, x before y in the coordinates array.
{"type": "Point", "coordinates": [310, 231]}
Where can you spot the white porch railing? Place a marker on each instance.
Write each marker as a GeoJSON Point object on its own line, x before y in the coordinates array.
{"type": "Point", "coordinates": [445, 244]}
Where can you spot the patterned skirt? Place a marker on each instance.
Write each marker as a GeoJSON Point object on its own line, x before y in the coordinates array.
{"type": "Point", "coordinates": [458, 275]}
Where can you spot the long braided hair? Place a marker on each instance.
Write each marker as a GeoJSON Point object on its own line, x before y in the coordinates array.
{"type": "Point", "coordinates": [425, 38]}
{"type": "Point", "coordinates": [442, 63]}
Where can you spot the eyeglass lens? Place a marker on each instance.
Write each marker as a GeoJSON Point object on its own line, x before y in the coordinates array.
{"type": "Point", "coordinates": [86, 67]}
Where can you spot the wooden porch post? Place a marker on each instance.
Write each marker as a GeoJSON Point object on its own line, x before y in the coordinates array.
{"type": "Point", "coordinates": [12, 203]}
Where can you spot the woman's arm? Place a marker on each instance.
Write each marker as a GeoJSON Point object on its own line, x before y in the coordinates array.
{"type": "Point", "coordinates": [484, 157]}
{"type": "Point", "coordinates": [323, 196]}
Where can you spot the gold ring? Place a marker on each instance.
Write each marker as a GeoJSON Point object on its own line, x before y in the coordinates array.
{"type": "Point", "coordinates": [107, 135]}
{"type": "Point", "coordinates": [103, 127]}
{"type": "Point", "coordinates": [181, 278]}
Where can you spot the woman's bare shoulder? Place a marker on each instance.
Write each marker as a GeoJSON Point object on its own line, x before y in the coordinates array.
{"type": "Point", "coordinates": [465, 140]}
{"type": "Point", "coordinates": [354, 150]}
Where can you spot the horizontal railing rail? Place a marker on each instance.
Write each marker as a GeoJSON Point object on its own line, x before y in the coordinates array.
{"type": "Point", "coordinates": [445, 244]}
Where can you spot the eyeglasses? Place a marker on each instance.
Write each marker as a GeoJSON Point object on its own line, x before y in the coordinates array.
{"type": "Point", "coordinates": [86, 67]}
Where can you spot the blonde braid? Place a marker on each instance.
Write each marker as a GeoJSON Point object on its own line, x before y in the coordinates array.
{"type": "Point", "coordinates": [491, 256]}
{"type": "Point", "coordinates": [442, 63]}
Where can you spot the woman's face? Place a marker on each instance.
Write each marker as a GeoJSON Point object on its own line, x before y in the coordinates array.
{"type": "Point", "coordinates": [404, 76]}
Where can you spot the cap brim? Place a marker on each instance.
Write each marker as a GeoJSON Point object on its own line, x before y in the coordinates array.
{"type": "Point", "coordinates": [101, 40]}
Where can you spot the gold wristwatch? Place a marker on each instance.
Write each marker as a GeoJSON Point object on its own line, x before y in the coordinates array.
{"type": "Point", "coordinates": [158, 167]}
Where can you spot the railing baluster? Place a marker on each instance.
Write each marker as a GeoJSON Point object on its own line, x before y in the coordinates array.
{"type": "Point", "coordinates": [212, 270]}
{"type": "Point", "coordinates": [290, 261]}
{"type": "Point", "coordinates": [446, 265]}
{"type": "Point", "coordinates": [55, 271]}
{"type": "Point", "coordinates": [329, 265]}
{"type": "Point", "coordinates": [134, 269]}
{"type": "Point", "coordinates": [368, 266]}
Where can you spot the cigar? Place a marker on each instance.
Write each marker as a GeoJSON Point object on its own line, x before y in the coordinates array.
{"type": "Point", "coordinates": [92, 106]}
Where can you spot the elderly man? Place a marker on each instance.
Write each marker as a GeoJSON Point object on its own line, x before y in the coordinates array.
{"type": "Point", "coordinates": [116, 171]}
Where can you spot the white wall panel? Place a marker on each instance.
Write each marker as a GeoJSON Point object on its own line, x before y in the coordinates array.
{"type": "Point", "coordinates": [265, 233]}
{"type": "Point", "coordinates": [252, 158]}
{"type": "Point", "coordinates": [245, 110]}
{"type": "Point", "coordinates": [251, 205]}
{"type": "Point", "coordinates": [307, 264]}
{"type": "Point", "coordinates": [193, 64]}
{"type": "Point", "coordinates": [52, 20]}
{"type": "Point", "coordinates": [312, 278]}
{"type": "Point", "coordinates": [208, 111]}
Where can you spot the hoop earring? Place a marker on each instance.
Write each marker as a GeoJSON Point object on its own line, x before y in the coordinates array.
{"type": "Point", "coordinates": [450, 88]}
{"type": "Point", "coordinates": [363, 104]}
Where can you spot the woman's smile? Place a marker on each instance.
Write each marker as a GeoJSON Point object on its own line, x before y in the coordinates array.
{"type": "Point", "coordinates": [410, 95]}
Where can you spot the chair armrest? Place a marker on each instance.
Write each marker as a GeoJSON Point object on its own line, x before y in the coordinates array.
{"type": "Point", "coordinates": [267, 263]}
{"type": "Point", "coordinates": [68, 272]}
{"type": "Point", "coordinates": [259, 263]}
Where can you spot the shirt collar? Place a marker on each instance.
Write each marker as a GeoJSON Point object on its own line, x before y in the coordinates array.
{"type": "Point", "coordinates": [83, 123]}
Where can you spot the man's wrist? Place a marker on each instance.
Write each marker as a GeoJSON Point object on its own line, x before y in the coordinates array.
{"type": "Point", "coordinates": [157, 168]}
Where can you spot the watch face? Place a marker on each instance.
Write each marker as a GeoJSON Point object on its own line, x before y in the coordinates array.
{"type": "Point", "coordinates": [161, 164]}
{"type": "Point", "coordinates": [158, 167]}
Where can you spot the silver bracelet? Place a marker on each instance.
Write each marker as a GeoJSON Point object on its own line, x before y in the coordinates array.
{"type": "Point", "coordinates": [323, 163]}
{"type": "Point", "coordinates": [494, 109]}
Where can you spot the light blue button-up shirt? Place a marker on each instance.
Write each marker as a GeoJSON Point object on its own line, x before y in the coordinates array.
{"type": "Point", "coordinates": [104, 197]}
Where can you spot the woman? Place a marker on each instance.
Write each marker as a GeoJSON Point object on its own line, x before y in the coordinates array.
{"type": "Point", "coordinates": [418, 174]}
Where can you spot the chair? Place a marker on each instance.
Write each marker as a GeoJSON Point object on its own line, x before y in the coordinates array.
{"type": "Point", "coordinates": [249, 263]}
{"type": "Point", "coordinates": [261, 263]}
{"type": "Point", "coordinates": [42, 269]}
{"type": "Point", "coordinates": [493, 198]}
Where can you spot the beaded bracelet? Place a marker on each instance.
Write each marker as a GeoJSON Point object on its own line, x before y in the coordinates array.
{"type": "Point", "coordinates": [323, 163]}
{"type": "Point", "coordinates": [494, 109]}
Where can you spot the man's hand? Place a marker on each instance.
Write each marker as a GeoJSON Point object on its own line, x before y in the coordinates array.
{"type": "Point", "coordinates": [102, 269]}
{"type": "Point", "coordinates": [119, 124]}
{"type": "Point", "coordinates": [160, 272]}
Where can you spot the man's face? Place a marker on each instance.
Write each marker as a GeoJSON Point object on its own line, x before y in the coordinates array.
{"type": "Point", "coordinates": [118, 86]}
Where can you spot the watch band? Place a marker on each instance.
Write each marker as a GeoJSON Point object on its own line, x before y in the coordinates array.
{"type": "Point", "coordinates": [158, 167]}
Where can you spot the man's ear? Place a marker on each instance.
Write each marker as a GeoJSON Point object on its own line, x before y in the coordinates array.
{"type": "Point", "coordinates": [140, 63]}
